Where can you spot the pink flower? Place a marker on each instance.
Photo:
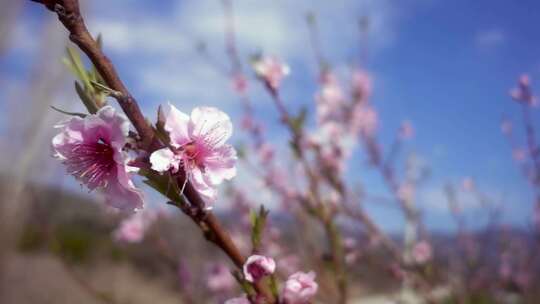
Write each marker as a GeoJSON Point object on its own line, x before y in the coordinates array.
{"type": "Point", "coordinates": [240, 300]}
{"type": "Point", "coordinates": [300, 288]}
{"type": "Point", "coordinates": [523, 92]}
{"type": "Point", "coordinates": [364, 120]}
{"type": "Point", "coordinates": [257, 266]}
{"type": "Point", "coordinates": [272, 70]}
{"type": "Point", "coordinates": [219, 278]}
{"type": "Point", "coordinates": [133, 228]}
{"type": "Point", "coordinates": [406, 192]}
{"type": "Point", "coordinates": [406, 131]}
{"type": "Point", "coordinates": [91, 149]}
{"type": "Point", "coordinates": [361, 86]}
{"type": "Point", "coordinates": [266, 152]}
{"type": "Point", "coordinates": [239, 83]}
{"type": "Point", "coordinates": [422, 252]}
{"type": "Point", "coordinates": [329, 99]}
{"type": "Point", "coordinates": [198, 147]}
{"type": "Point", "coordinates": [288, 264]}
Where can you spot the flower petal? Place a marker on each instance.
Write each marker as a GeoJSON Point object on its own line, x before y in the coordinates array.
{"type": "Point", "coordinates": [222, 165]}
{"type": "Point", "coordinates": [163, 160]}
{"type": "Point", "coordinates": [200, 184]}
{"type": "Point", "coordinates": [121, 193]}
{"type": "Point", "coordinates": [211, 125]}
{"type": "Point", "coordinates": [176, 123]}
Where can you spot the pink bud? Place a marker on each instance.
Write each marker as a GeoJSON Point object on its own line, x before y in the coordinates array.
{"type": "Point", "coordinates": [257, 267]}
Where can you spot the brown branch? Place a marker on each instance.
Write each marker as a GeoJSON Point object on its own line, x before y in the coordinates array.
{"type": "Point", "coordinates": [69, 14]}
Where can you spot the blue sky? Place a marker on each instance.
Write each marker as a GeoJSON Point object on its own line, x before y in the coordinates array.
{"type": "Point", "coordinates": [446, 66]}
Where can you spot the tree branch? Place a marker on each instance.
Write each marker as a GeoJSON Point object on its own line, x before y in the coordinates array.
{"type": "Point", "coordinates": [69, 14]}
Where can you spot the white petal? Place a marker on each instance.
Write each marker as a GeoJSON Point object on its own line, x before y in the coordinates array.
{"type": "Point", "coordinates": [163, 160]}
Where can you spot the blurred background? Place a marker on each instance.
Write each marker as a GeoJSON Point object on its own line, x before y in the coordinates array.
{"type": "Point", "coordinates": [445, 66]}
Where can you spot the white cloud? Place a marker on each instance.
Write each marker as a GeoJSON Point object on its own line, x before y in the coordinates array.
{"type": "Point", "coordinates": [279, 26]}
{"type": "Point", "coordinates": [191, 83]}
{"type": "Point", "coordinates": [151, 37]}
{"type": "Point", "coordinates": [490, 38]}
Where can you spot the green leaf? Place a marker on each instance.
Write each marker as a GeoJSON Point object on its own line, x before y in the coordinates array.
{"type": "Point", "coordinates": [299, 121]}
{"type": "Point", "coordinates": [86, 99]}
{"type": "Point", "coordinates": [240, 150]}
{"type": "Point", "coordinates": [258, 223]}
{"type": "Point", "coordinates": [164, 184]}
{"type": "Point", "coordinates": [78, 65]}
{"type": "Point", "coordinates": [274, 286]}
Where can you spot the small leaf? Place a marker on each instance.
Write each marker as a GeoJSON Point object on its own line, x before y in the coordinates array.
{"type": "Point", "coordinates": [258, 223]}
{"type": "Point", "coordinates": [79, 67]}
{"type": "Point", "coordinates": [240, 150]}
{"type": "Point", "coordinates": [274, 286]}
{"type": "Point", "coordinates": [81, 115]}
{"type": "Point", "coordinates": [299, 121]}
{"type": "Point", "coordinates": [87, 100]}
{"type": "Point", "coordinates": [69, 65]}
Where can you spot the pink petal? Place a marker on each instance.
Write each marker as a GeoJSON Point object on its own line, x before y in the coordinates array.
{"type": "Point", "coordinates": [211, 125]}
{"type": "Point", "coordinates": [121, 193]}
{"type": "Point", "coordinates": [200, 184]}
{"type": "Point", "coordinates": [222, 166]}
{"type": "Point", "coordinates": [176, 123]}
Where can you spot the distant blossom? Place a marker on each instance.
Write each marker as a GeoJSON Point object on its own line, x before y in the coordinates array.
{"type": "Point", "coordinates": [329, 99]}
{"type": "Point", "coordinates": [406, 192]}
{"type": "Point", "coordinates": [422, 252]}
{"type": "Point", "coordinates": [364, 120]}
{"type": "Point", "coordinates": [133, 228]}
{"type": "Point", "coordinates": [239, 83]}
{"type": "Point", "coordinates": [361, 85]}
{"type": "Point", "coordinates": [406, 131]}
{"type": "Point", "coordinates": [523, 92]}
{"type": "Point", "coordinates": [272, 70]}
{"type": "Point", "coordinates": [300, 288]}
{"type": "Point", "coordinates": [219, 278]}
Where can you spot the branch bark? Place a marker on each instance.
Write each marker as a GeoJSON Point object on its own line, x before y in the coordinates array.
{"type": "Point", "coordinates": [68, 13]}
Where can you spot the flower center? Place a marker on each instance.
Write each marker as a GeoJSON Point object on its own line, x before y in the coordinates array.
{"type": "Point", "coordinates": [192, 154]}
{"type": "Point", "coordinates": [92, 163]}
